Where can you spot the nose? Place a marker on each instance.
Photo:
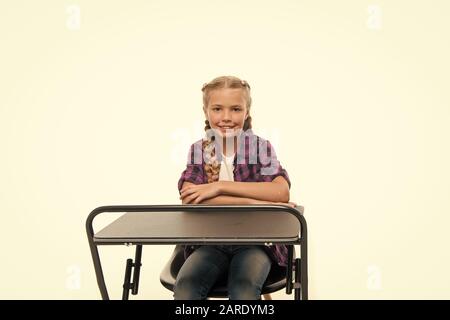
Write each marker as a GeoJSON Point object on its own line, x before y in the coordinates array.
{"type": "Point", "coordinates": [226, 115]}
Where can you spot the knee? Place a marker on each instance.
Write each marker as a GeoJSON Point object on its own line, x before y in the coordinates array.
{"type": "Point", "coordinates": [189, 288]}
{"type": "Point", "coordinates": [244, 289]}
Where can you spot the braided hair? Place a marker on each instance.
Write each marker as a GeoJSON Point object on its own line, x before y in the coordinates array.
{"type": "Point", "coordinates": [212, 165]}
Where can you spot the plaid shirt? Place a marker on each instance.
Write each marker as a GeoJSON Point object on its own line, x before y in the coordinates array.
{"type": "Point", "coordinates": [250, 165]}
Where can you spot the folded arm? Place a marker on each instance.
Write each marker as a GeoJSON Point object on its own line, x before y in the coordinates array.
{"type": "Point", "coordinates": [276, 191]}
{"type": "Point", "coordinates": [229, 200]}
{"type": "Point", "coordinates": [222, 199]}
{"type": "Point", "coordinates": [229, 192]}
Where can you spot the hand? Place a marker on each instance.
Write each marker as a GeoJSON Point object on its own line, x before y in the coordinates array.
{"type": "Point", "coordinates": [197, 193]}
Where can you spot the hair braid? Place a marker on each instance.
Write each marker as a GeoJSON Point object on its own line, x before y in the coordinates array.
{"type": "Point", "coordinates": [212, 165]}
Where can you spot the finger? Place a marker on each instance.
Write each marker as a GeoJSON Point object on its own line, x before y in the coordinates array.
{"type": "Point", "coordinates": [195, 199]}
{"type": "Point", "coordinates": [191, 198]}
{"type": "Point", "coordinates": [187, 188]}
{"type": "Point", "coordinates": [198, 200]}
{"type": "Point", "coordinates": [183, 192]}
{"type": "Point", "coordinates": [186, 200]}
{"type": "Point", "coordinates": [186, 193]}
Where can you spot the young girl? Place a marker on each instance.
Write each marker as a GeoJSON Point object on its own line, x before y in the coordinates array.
{"type": "Point", "coordinates": [231, 165]}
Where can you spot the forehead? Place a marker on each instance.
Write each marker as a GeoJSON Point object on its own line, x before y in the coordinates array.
{"type": "Point", "coordinates": [227, 96]}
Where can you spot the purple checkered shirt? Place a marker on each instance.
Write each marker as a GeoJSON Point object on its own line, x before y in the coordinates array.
{"type": "Point", "coordinates": [251, 164]}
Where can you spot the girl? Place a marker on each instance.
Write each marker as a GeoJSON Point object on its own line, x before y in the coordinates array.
{"type": "Point", "coordinates": [231, 165]}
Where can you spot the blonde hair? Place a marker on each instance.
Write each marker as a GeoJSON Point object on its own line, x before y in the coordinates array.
{"type": "Point", "coordinates": [212, 165]}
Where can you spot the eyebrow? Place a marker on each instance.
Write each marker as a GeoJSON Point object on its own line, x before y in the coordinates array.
{"type": "Point", "coordinates": [219, 105]}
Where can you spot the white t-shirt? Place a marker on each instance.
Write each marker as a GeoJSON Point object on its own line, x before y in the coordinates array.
{"type": "Point", "coordinates": [226, 169]}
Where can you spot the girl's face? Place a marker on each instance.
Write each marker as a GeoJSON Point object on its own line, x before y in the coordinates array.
{"type": "Point", "coordinates": [226, 111]}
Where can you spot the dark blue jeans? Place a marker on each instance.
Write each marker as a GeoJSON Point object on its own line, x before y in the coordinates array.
{"type": "Point", "coordinates": [246, 268]}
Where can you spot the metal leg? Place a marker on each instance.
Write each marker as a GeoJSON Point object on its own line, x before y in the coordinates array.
{"type": "Point", "coordinates": [98, 270]}
{"type": "Point", "coordinates": [94, 254]}
{"type": "Point", "coordinates": [289, 269]}
{"type": "Point", "coordinates": [297, 284]}
{"type": "Point", "coordinates": [137, 268]}
{"type": "Point", "coordinates": [127, 285]}
{"type": "Point", "coordinates": [304, 269]}
{"type": "Point", "coordinates": [126, 281]}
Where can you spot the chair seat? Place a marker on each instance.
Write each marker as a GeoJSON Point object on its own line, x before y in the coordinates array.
{"type": "Point", "coordinates": [275, 281]}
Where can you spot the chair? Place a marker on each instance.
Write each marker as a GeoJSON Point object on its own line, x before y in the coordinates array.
{"type": "Point", "coordinates": [276, 279]}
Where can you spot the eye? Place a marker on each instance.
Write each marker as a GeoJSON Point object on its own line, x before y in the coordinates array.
{"type": "Point", "coordinates": [237, 109]}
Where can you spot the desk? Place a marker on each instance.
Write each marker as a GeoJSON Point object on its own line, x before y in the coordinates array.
{"type": "Point", "coordinates": [201, 224]}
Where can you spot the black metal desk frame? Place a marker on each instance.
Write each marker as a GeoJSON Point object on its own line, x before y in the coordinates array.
{"type": "Point", "coordinates": [298, 282]}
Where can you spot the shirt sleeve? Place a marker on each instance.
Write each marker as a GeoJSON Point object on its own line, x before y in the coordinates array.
{"type": "Point", "coordinates": [194, 171]}
{"type": "Point", "coordinates": [270, 166]}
